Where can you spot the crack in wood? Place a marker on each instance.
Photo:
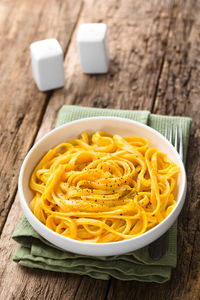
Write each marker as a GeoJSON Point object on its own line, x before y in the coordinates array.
{"type": "Point", "coordinates": [74, 28]}
{"type": "Point", "coordinates": [171, 6]}
{"type": "Point", "coordinates": [108, 288]}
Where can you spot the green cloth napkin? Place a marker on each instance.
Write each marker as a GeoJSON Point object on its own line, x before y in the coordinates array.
{"type": "Point", "coordinates": [35, 252]}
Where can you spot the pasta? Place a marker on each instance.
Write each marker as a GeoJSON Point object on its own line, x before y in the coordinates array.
{"type": "Point", "coordinates": [103, 188]}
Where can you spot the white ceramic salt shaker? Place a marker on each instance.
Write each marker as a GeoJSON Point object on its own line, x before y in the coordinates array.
{"type": "Point", "coordinates": [92, 48]}
{"type": "Point", "coordinates": [47, 64]}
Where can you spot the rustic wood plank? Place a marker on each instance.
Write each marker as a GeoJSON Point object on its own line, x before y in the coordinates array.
{"type": "Point", "coordinates": [22, 105]}
{"type": "Point", "coordinates": [178, 94]}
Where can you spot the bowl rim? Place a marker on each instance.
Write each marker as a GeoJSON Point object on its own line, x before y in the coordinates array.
{"type": "Point", "coordinates": [27, 211]}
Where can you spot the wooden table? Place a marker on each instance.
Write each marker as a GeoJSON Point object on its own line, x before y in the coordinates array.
{"type": "Point", "coordinates": [155, 65]}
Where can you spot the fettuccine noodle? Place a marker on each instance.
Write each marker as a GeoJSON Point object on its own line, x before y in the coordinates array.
{"type": "Point", "coordinates": [103, 188]}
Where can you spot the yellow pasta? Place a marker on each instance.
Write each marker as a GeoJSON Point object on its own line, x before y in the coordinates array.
{"type": "Point", "coordinates": [103, 188]}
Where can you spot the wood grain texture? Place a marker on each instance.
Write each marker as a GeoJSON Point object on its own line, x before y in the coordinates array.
{"type": "Point", "coordinates": [154, 50]}
{"type": "Point", "coordinates": [178, 94]}
{"type": "Point", "coordinates": [22, 105]}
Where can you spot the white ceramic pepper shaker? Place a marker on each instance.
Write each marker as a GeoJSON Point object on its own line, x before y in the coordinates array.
{"type": "Point", "coordinates": [92, 48]}
{"type": "Point", "coordinates": [47, 64]}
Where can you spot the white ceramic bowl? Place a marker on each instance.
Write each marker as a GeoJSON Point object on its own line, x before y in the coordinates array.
{"type": "Point", "coordinates": [112, 125]}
